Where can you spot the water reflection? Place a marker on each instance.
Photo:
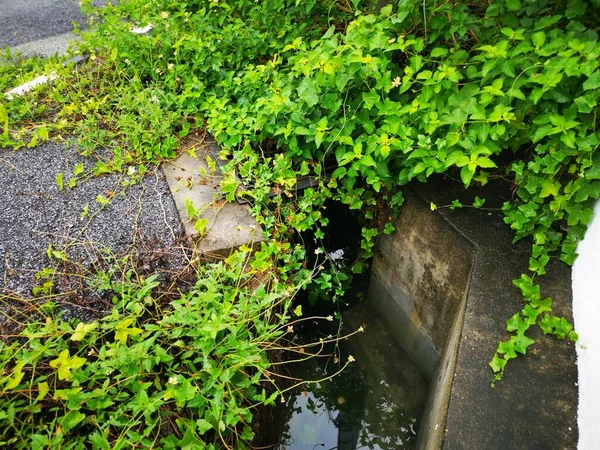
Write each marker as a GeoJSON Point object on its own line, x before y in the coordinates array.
{"type": "Point", "coordinates": [374, 404]}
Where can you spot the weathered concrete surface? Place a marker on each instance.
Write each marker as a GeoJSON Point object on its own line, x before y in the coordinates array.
{"type": "Point", "coordinates": [534, 407]}
{"type": "Point", "coordinates": [419, 276]}
{"type": "Point", "coordinates": [433, 421]}
{"type": "Point", "coordinates": [53, 45]}
{"type": "Point", "coordinates": [230, 224]}
{"type": "Point", "coordinates": [32, 20]}
{"type": "Point", "coordinates": [35, 213]}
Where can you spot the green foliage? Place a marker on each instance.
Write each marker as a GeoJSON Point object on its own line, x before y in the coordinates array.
{"type": "Point", "coordinates": [150, 374]}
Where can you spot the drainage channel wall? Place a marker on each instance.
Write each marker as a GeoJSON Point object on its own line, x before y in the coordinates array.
{"type": "Point", "coordinates": [443, 283]}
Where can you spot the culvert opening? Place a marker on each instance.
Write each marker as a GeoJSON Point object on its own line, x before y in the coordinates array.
{"type": "Point", "coordinates": [378, 400]}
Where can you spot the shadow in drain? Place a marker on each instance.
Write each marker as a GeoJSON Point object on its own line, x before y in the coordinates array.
{"type": "Point", "coordinates": [375, 403]}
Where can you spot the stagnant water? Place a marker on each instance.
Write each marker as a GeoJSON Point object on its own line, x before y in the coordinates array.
{"type": "Point", "coordinates": [376, 403]}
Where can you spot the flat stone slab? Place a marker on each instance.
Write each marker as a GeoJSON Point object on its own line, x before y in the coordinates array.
{"type": "Point", "coordinates": [190, 179]}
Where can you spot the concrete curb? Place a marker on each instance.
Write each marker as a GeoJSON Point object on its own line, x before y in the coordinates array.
{"type": "Point", "coordinates": [54, 45]}
{"type": "Point", "coordinates": [535, 406]}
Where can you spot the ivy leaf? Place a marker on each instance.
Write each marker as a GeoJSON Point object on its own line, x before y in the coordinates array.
{"type": "Point", "coordinates": [507, 348]}
{"type": "Point", "coordinates": [516, 323]}
{"type": "Point", "coordinates": [478, 202]}
{"type": "Point", "coordinates": [549, 188]}
{"type": "Point", "coordinates": [522, 342]}
{"type": "Point", "coordinates": [43, 389]}
{"type": "Point", "coordinates": [78, 169]}
{"type": "Point", "coordinates": [482, 178]}
{"type": "Point", "coordinates": [229, 186]}
{"type": "Point", "coordinates": [203, 426]}
{"type": "Point", "coordinates": [82, 329]}
{"type": "Point", "coordinates": [528, 289]}
{"type": "Point", "coordinates": [16, 377]}
{"type": "Point", "coordinates": [64, 364]}
{"type": "Point", "coordinates": [190, 208]}
{"type": "Point", "coordinates": [59, 181]}
{"type": "Point", "coordinates": [298, 311]}
{"type": "Point", "coordinates": [543, 305]}
{"type": "Point", "coordinates": [592, 82]}
{"type": "Point", "coordinates": [122, 331]}
{"type": "Point", "coordinates": [309, 91]}
{"type": "Point", "coordinates": [247, 434]}
{"type": "Point", "coordinates": [455, 204]}
{"type": "Point", "coordinates": [200, 226]}
{"type": "Point", "coordinates": [42, 132]}
{"type": "Point", "coordinates": [497, 364]}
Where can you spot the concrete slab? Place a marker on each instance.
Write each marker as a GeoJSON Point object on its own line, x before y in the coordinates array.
{"type": "Point", "coordinates": [586, 310]}
{"type": "Point", "coordinates": [190, 179]}
{"type": "Point", "coordinates": [29, 86]}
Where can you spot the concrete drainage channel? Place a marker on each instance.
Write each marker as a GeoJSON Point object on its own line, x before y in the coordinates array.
{"type": "Point", "coordinates": [442, 284]}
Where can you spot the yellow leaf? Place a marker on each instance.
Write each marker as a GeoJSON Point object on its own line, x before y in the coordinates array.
{"type": "Point", "coordinates": [200, 226]}
{"type": "Point", "coordinates": [298, 310]}
{"type": "Point", "coordinates": [123, 331]}
{"type": "Point", "coordinates": [433, 206]}
{"type": "Point", "coordinates": [64, 364]}
{"type": "Point", "coordinates": [16, 378]}
{"type": "Point", "coordinates": [42, 391]}
{"type": "Point", "coordinates": [82, 329]}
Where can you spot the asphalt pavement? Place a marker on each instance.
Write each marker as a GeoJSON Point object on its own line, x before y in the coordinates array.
{"type": "Point", "coordinates": [26, 21]}
{"type": "Point", "coordinates": [36, 213]}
